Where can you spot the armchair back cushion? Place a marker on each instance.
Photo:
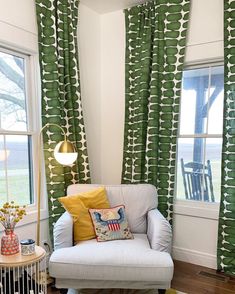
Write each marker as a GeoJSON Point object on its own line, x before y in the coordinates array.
{"type": "Point", "coordinates": [129, 195]}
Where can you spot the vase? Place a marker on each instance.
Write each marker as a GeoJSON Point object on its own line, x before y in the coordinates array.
{"type": "Point", "coordinates": [9, 243]}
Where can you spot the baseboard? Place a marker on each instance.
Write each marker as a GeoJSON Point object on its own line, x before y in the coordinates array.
{"type": "Point", "coordinates": [195, 257]}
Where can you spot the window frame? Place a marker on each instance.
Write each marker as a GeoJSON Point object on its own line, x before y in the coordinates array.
{"type": "Point", "coordinates": [29, 117]}
{"type": "Point", "coordinates": [33, 109]}
{"type": "Point", "coordinates": [208, 210]}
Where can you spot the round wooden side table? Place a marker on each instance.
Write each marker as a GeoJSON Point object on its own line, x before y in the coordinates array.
{"type": "Point", "coordinates": [21, 274]}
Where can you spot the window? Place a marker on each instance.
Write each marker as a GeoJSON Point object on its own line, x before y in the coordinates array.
{"type": "Point", "coordinates": [16, 126]}
{"type": "Point", "coordinates": [200, 135]}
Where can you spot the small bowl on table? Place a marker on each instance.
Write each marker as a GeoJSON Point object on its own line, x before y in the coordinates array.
{"type": "Point", "coordinates": [27, 247]}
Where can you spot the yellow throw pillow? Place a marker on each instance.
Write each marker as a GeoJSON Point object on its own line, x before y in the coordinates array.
{"type": "Point", "coordinates": [78, 206]}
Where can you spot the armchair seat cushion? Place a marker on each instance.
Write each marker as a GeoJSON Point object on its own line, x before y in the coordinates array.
{"type": "Point", "coordinates": [129, 260]}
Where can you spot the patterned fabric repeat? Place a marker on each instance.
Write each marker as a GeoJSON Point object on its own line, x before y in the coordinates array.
{"type": "Point", "coordinates": [226, 233]}
{"type": "Point", "coordinates": [110, 224]}
{"type": "Point", "coordinates": [61, 100]}
{"type": "Point", "coordinates": [155, 47]}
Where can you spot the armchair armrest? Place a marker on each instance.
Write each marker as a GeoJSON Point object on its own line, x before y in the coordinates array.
{"type": "Point", "coordinates": [159, 231]}
{"type": "Point", "coordinates": [63, 231]}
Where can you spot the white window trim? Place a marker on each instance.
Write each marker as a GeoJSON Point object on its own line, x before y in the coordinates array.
{"type": "Point", "coordinates": [197, 209]}
{"type": "Point", "coordinates": [34, 114]}
{"type": "Point", "coordinates": [201, 209]}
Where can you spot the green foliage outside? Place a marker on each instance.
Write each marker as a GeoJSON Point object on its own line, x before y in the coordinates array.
{"type": "Point", "coordinates": [18, 185]}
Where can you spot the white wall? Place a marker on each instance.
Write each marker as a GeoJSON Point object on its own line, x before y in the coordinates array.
{"type": "Point", "coordinates": [112, 95]}
{"type": "Point", "coordinates": [205, 36]}
{"type": "Point", "coordinates": [18, 24]}
{"type": "Point", "coordinates": [101, 40]}
{"type": "Point", "coordinates": [89, 41]}
{"type": "Point", "coordinates": [195, 237]}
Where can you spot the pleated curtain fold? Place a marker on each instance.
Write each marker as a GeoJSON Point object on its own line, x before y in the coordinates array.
{"type": "Point", "coordinates": [155, 50]}
{"type": "Point", "coordinates": [61, 99]}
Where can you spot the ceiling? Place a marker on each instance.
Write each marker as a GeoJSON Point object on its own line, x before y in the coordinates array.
{"type": "Point", "coordinates": [105, 6]}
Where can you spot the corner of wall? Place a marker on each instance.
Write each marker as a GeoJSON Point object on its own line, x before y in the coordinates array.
{"type": "Point", "coordinates": [89, 31]}
{"type": "Point", "coordinates": [112, 95]}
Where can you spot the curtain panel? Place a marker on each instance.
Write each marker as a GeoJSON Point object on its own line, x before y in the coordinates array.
{"type": "Point", "coordinates": [155, 49]}
{"type": "Point", "coordinates": [226, 232]}
{"type": "Point", "coordinates": [61, 99]}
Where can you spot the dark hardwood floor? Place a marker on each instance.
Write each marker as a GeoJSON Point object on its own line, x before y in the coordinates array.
{"type": "Point", "coordinates": [195, 279]}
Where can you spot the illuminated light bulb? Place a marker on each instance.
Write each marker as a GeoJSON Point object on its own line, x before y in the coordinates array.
{"type": "Point", "coordinates": [64, 153]}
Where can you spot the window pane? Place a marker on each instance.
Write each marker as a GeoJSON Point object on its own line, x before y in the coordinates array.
{"type": "Point", "coordinates": [18, 169]}
{"type": "Point", "coordinates": [199, 159]}
{"type": "Point", "coordinates": [216, 101]}
{"type": "Point", "coordinates": [194, 97]}
{"type": "Point", "coordinates": [213, 157]}
{"type": "Point", "coordinates": [3, 155]}
{"type": "Point", "coordinates": [190, 169]}
{"type": "Point", "coordinates": [12, 93]}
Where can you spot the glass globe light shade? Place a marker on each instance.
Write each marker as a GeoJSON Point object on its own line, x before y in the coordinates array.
{"type": "Point", "coordinates": [64, 153]}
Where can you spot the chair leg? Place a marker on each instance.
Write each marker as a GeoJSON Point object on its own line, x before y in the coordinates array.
{"type": "Point", "coordinates": [161, 291]}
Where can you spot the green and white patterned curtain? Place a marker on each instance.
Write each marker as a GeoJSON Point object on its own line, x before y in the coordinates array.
{"type": "Point", "coordinates": [226, 234]}
{"type": "Point", "coordinates": [155, 49]}
{"type": "Point", "coordinates": [61, 99]}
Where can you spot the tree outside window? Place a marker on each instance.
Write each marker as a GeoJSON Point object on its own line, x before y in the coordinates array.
{"type": "Point", "coordinates": [15, 129]}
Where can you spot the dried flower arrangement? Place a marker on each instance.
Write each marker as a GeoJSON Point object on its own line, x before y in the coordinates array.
{"type": "Point", "coordinates": [11, 214]}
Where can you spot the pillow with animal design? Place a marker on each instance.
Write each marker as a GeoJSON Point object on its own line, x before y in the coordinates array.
{"type": "Point", "coordinates": [110, 224]}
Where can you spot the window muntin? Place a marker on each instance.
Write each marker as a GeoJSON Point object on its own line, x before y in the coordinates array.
{"type": "Point", "coordinates": [200, 135]}
{"type": "Point", "coordinates": [16, 178]}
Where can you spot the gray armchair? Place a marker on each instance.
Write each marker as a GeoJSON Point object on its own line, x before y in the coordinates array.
{"type": "Point", "coordinates": [141, 263]}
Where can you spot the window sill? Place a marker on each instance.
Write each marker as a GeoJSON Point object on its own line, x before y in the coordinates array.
{"type": "Point", "coordinates": [30, 218]}
{"type": "Point", "coordinates": [197, 209]}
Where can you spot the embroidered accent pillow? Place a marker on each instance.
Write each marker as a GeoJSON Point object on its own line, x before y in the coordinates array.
{"type": "Point", "coordinates": [110, 224]}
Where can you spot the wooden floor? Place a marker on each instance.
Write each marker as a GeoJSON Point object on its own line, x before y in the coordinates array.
{"type": "Point", "coordinates": [195, 279]}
